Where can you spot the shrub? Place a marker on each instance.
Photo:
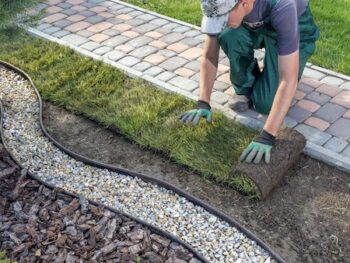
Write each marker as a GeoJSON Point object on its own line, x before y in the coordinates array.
{"type": "Point", "coordinates": [18, 14]}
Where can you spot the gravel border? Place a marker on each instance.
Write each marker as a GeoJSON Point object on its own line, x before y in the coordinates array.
{"type": "Point", "coordinates": [210, 235]}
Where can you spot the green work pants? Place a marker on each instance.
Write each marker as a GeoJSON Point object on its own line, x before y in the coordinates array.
{"type": "Point", "coordinates": [239, 44]}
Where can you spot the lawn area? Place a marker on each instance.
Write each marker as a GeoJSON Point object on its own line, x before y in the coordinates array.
{"type": "Point", "coordinates": [138, 110]}
{"type": "Point", "coordinates": [333, 49]}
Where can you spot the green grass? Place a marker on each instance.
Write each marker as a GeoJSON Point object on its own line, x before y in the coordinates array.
{"type": "Point", "coordinates": [333, 49]}
{"type": "Point", "coordinates": [3, 258]}
{"type": "Point", "coordinates": [136, 109]}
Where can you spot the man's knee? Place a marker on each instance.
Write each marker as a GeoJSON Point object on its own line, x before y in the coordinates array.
{"type": "Point", "coordinates": [262, 105]}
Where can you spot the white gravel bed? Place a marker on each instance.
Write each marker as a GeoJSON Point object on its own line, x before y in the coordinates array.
{"type": "Point", "coordinates": [211, 236]}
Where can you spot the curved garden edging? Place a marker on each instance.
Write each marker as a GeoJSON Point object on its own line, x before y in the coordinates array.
{"type": "Point", "coordinates": [145, 178]}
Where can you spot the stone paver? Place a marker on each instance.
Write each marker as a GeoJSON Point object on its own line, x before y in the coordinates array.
{"type": "Point", "coordinates": [317, 123]}
{"type": "Point", "coordinates": [329, 90]}
{"type": "Point", "coordinates": [306, 88]}
{"type": "Point", "coordinates": [153, 71]}
{"type": "Point", "coordinates": [173, 63]}
{"type": "Point", "coordinates": [129, 61]}
{"type": "Point", "coordinates": [184, 72]}
{"type": "Point", "coordinates": [78, 26]}
{"type": "Point", "coordinates": [336, 144]}
{"type": "Point", "coordinates": [114, 55]}
{"type": "Point", "coordinates": [99, 37]}
{"type": "Point", "coordinates": [102, 50]}
{"type": "Point", "coordinates": [343, 98]}
{"type": "Point", "coordinates": [54, 18]}
{"type": "Point", "coordinates": [340, 128]}
{"type": "Point", "coordinates": [100, 27]}
{"type": "Point", "coordinates": [116, 41]}
{"type": "Point", "coordinates": [318, 97]}
{"type": "Point", "coordinates": [184, 83]}
{"type": "Point", "coordinates": [345, 86]}
{"type": "Point", "coordinates": [143, 51]}
{"type": "Point", "coordinates": [142, 66]}
{"type": "Point", "coordinates": [169, 51]}
{"type": "Point", "coordinates": [299, 114]}
{"type": "Point", "coordinates": [75, 39]}
{"type": "Point", "coordinates": [347, 114]}
{"type": "Point", "coordinates": [330, 112]}
{"type": "Point", "coordinates": [308, 105]}
{"type": "Point", "coordinates": [90, 46]}
{"type": "Point", "coordinates": [155, 59]}
{"type": "Point", "coordinates": [346, 151]}
{"type": "Point", "coordinates": [332, 81]}
{"type": "Point", "coordinates": [313, 134]}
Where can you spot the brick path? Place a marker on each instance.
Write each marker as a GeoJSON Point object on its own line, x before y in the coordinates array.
{"type": "Point", "coordinates": [166, 52]}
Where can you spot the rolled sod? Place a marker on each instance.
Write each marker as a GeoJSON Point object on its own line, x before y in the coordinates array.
{"type": "Point", "coordinates": [264, 177]}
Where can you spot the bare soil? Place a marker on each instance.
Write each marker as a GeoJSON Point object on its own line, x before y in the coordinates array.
{"type": "Point", "coordinates": [305, 219]}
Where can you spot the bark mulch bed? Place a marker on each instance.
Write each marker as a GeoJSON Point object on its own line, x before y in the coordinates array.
{"type": "Point", "coordinates": [38, 224]}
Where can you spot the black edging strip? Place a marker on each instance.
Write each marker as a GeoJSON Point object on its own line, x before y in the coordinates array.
{"type": "Point", "coordinates": [146, 178]}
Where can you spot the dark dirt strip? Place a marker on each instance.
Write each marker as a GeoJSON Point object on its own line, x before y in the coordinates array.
{"type": "Point", "coordinates": [306, 219]}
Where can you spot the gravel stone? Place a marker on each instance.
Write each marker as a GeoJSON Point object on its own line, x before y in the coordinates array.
{"type": "Point", "coordinates": [212, 237]}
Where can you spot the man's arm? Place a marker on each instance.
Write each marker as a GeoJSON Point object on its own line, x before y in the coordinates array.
{"type": "Point", "coordinates": [208, 67]}
{"type": "Point", "coordinates": [288, 75]}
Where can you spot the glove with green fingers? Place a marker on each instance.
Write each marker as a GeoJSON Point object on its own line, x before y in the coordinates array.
{"type": "Point", "coordinates": [203, 110]}
{"type": "Point", "coordinates": [259, 147]}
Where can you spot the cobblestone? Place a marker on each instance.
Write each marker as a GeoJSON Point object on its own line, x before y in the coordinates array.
{"type": "Point", "coordinates": [142, 66]}
{"type": "Point", "coordinates": [329, 90]}
{"type": "Point", "coordinates": [317, 123]}
{"type": "Point", "coordinates": [143, 52]}
{"type": "Point", "coordinates": [114, 55]}
{"type": "Point", "coordinates": [173, 63]}
{"type": "Point", "coordinates": [220, 97]}
{"type": "Point", "coordinates": [330, 112]}
{"type": "Point", "coordinates": [332, 81]}
{"type": "Point", "coordinates": [298, 114]}
{"type": "Point", "coordinates": [75, 39]}
{"type": "Point", "coordinates": [346, 151]}
{"type": "Point", "coordinates": [90, 46]}
{"type": "Point", "coordinates": [166, 76]}
{"type": "Point", "coordinates": [343, 99]}
{"type": "Point", "coordinates": [184, 83]}
{"type": "Point", "coordinates": [60, 33]}
{"type": "Point", "coordinates": [313, 134]}
{"type": "Point", "coordinates": [340, 128]}
{"type": "Point", "coordinates": [129, 61]}
{"type": "Point", "coordinates": [102, 50]}
{"type": "Point", "coordinates": [336, 145]}
{"type": "Point", "coordinates": [140, 41]}
{"type": "Point", "coordinates": [116, 41]}
{"type": "Point", "coordinates": [172, 38]}
{"type": "Point", "coordinates": [318, 97]}
{"type": "Point", "coordinates": [153, 71]}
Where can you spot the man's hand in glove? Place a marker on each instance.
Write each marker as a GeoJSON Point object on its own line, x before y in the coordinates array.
{"type": "Point", "coordinates": [260, 146]}
{"type": "Point", "coordinates": [203, 109]}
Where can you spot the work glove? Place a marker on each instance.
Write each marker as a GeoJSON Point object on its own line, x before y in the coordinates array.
{"type": "Point", "coordinates": [259, 147]}
{"type": "Point", "coordinates": [202, 109]}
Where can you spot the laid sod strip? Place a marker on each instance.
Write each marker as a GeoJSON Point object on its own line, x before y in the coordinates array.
{"type": "Point", "coordinates": [3, 258]}
{"type": "Point", "coordinates": [136, 109]}
{"type": "Point", "coordinates": [333, 50]}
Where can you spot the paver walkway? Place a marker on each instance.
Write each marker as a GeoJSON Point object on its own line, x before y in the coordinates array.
{"type": "Point", "coordinates": [166, 52]}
